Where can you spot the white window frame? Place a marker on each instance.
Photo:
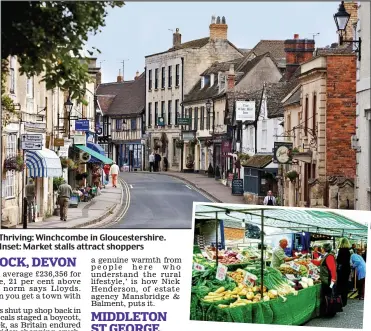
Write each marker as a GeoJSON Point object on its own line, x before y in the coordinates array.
{"type": "Point", "coordinates": [264, 134]}
{"type": "Point", "coordinates": [30, 88]}
{"type": "Point", "coordinates": [8, 185]}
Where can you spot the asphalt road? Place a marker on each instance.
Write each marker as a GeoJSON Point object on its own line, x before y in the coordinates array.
{"type": "Point", "coordinates": [158, 201]}
{"type": "Point", "coordinates": [350, 318]}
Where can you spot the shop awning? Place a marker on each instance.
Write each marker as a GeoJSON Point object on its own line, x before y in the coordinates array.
{"type": "Point", "coordinates": [101, 158]}
{"type": "Point", "coordinates": [314, 221]}
{"type": "Point", "coordinates": [43, 163]}
{"type": "Point", "coordinates": [98, 149]}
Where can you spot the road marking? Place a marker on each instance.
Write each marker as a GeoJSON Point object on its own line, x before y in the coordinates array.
{"type": "Point", "coordinates": [131, 186]}
{"type": "Point", "coordinates": [188, 187]}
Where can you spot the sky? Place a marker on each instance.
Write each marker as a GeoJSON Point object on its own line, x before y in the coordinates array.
{"type": "Point", "coordinates": [143, 28]}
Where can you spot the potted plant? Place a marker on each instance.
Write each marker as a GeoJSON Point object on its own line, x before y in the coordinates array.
{"type": "Point", "coordinates": [64, 162]}
{"type": "Point", "coordinates": [217, 173]}
{"type": "Point", "coordinates": [210, 171]}
{"type": "Point", "coordinates": [14, 163]}
{"type": "Point", "coordinates": [57, 181]}
{"type": "Point", "coordinates": [179, 143]}
{"type": "Point", "coordinates": [292, 175]}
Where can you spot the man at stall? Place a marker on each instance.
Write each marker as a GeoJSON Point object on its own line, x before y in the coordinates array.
{"type": "Point", "coordinates": [279, 257]}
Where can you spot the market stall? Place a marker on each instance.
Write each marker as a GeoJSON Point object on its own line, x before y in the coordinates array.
{"type": "Point", "coordinates": [236, 284]}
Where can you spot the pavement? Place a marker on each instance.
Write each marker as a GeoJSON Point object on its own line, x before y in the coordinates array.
{"type": "Point", "coordinates": [350, 318]}
{"type": "Point", "coordinates": [88, 214]}
{"type": "Point", "coordinates": [158, 202]}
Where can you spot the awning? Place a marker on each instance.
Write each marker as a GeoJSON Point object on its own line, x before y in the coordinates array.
{"type": "Point", "coordinates": [98, 149]}
{"type": "Point", "coordinates": [43, 163]}
{"type": "Point", "coordinates": [101, 158]}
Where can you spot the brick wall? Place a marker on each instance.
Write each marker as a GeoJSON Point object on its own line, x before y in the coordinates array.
{"type": "Point", "coordinates": [218, 31]}
{"type": "Point", "coordinates": [352, 8]}
{"type": "Point", "coordinates": [233, 234]}
{"type": "Point", "coordinates": [340, 115]}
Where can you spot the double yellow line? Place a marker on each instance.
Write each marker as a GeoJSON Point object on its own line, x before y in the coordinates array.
{"type": "Point", "coordinates": [126, 190]}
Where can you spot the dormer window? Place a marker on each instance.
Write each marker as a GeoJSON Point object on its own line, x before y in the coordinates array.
{"type": "Point", "coordinates": [221, 81]}
{"type": "Point", "coordinates": [212, 78]}
{"type": "Point", "coordinates": [202, 82]}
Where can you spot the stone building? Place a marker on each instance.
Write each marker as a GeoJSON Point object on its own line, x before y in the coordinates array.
{"type": "Point", "coordinates": [363, 113]}
{"type": "Point", "coordinates": [170, 75]}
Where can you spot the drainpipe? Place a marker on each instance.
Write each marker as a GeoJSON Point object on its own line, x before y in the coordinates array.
{"type": "Point", "coordinates": [146, 149]}
{"type": "Point", "coordinates": [199, 158]}
{"type": "Point", "coordinates": [182, 112]}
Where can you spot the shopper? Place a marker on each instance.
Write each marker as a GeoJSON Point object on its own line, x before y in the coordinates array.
{"type": "Point", "coordinates": [30, 196]}
{"type": "Point", "coordinates": [279, 256]}
{"type": "Point", "coordinates": [64, 195]}
{"type": "Point", "coordinates": [343, 270]}
{"type": "Point", "coordinates": [316, 252]}
{"type": "Point", "coordinates": [151, 162]}
{"type": "Point", "coordinates": [270, 200]}
{"type": "Point", "coordinates": [114, 171]}
{"type": "Point", "coordinates": [157, 161]}
{"type": "Point", "coordinates": [106, 170]}
{"type": "Point", "coordinates": [166, 163]}
{"type": "Point", "coordinates": [328, 276]}
{"type": "Point", "coordinates": [364, 255]}
{"type": "Point", "coordinates": [358, 263]}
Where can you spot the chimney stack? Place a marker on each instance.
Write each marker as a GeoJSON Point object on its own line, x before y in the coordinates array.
{"type": "Point", "coordinates": [177, 38]}
{"type": "Point", "coordinates": [136, 75]}
{"type": "Point", "coordinates": [297, 51]}
{"type": "Point", "coordinates": [352, 9]}
{"type": "Point", "coordinates": [98, 78]}
{"type": "Point", "coordinates": [218, 28]}
{"type": "Point", "coordinates": [119, 77]}
{"type": "Point", "coordinates": [231, 78]}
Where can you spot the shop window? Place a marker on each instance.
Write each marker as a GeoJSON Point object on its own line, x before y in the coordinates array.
{"type": "Point", "coordinates": [119, 125]}
{"type": "Point", "coordinates": [133, 124]}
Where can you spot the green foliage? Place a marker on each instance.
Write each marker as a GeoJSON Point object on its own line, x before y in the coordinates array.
{"type": "Point", "coordinates": [57, 181]}
{"type": "Point", "coordinates": [48, 37]}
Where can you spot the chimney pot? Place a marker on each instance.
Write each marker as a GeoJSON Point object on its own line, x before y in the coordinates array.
{"type": "Point", "coordinates": [136, 75]}
{"type": "Point", "coordinates": [119, 77]}
{"type": "Point", "coordinates": [296, 36]}
{"type": "Point", "coordinates": [218, 20]}
{"type": "Point", "coordinates": [177, 38]}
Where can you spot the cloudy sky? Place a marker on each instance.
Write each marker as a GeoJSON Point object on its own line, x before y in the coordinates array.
{"type": "Point", "coordinates": [143, 28]}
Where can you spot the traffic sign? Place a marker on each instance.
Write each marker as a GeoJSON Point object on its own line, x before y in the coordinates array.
{"type": "Point", "coordinates": [32, 142]}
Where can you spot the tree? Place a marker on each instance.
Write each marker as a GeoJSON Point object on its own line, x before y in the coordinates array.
{"type": "Point", "coordinates": [48, 39]}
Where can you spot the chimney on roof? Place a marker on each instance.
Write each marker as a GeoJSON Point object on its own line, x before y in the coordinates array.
{"type": "Point", "coordinates": [177, 38]}
{"type": "Point", "coordinates": [119, 77]}
{"type": "Point", "coordinates": [136, 75]}
{"type": "Point", "coordinates": [218, 28]}
{"type": "Point", "coordinates": [231, 78]}
{"type": "Point", "coordinates": [297, 51]}
{"type": "Point", "coordinates": [352, 9]}
{"type": "Point", "coordinates": [98, 78]}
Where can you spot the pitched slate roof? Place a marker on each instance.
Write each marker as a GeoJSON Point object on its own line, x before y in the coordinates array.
{"type": "Point", "coordinates": [258, 161]}
{"type": "Point", "coordinates": [242, 67]}
{"type": "Point", "coordinates": [124, 98]}
{"type": "Point", "coordinates": [294, 99]}
{"type": "Point", "coordinates": [335, 49]}
{"type": "Point", "coordinates": [275, 47]}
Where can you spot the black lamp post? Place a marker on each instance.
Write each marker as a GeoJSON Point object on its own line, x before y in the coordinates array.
{"type": "Point", "coordinates": [341, 20]}
{"type": "Point", "coordinates": [68, 106]}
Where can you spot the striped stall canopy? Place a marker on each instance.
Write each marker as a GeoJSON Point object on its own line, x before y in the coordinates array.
{"type": "Point", "coordinates": [296, 219]}
{"type": "Point", "coordinates": [43, 163]}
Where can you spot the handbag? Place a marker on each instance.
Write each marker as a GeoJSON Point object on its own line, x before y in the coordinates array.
{"type": "Point", "coordinates": [334, 304]}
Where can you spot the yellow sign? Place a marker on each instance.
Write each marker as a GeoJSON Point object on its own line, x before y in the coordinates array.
{"type": "Point", "coordinates": [58, 142]}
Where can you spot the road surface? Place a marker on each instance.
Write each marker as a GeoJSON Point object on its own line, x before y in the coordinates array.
{"type": "Point", "coordinates": [158, 201]}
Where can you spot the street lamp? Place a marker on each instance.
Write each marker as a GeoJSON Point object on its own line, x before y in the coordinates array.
{"type": "Point", "coordinates": [68, 105]}
{"type": "Point", "coordinates": [208, 109]}
{"type": "Point", "coordinates": [341, 19]}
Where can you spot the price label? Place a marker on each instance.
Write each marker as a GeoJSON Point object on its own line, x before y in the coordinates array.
{"type": "Point", "coordinates": [311, 266]}
{"type": "Point", "coordinates": [249, 279]}
{"type": "Point", "coordinates": [315, 276]}
{"type": "Point", "coordinates": [205, 255]}
{"type": "Point", "coordinates": [240, 257]}
{"type": "Point", "coordinates": [290, 277]}
{"type": "Point", "coordinates": [221, 272]}
{"type": "Point", "coordinates": [295, 266]}
{"type": "Point", "coordinates": [198, 267]}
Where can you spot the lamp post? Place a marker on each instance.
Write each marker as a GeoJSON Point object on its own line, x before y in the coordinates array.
{"type": "Point", "coordinates": [68, 105]}
{"type": "Point", "coordinates": [208, 109]}
{"type": "Point", "coordinates": [341, 19]}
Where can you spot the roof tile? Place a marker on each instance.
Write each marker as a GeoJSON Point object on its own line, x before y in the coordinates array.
{"type": "Point", "coordinates": [258, 161]}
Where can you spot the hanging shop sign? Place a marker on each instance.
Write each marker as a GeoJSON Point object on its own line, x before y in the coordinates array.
{"type": "Point", "coordinates": [79, 139]}
{"type": "Point", "coordinates": [282, 152]}
{"type": "Point", "coordinates": [58, 142]}
{"type": "Point", "coordinates": [82, 125]}
{"type": "Point", "coordinates": [245, 111]}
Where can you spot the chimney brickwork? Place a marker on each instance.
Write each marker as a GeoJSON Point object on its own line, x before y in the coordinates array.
{"type": "Point", "coordinates": [297, 51]}
{"type": "Point", "coordinates": [352, 8]}
{"type": "Point", "coordinates": [218, 30]}
{"type": "Point", "coordinates": [177, 38]}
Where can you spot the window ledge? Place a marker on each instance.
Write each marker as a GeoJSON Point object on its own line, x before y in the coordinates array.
{"type": "Point", "coordinates": [169, 87]}
{"type": "Point", "coordinates": [169, 125]}
{"type": "Point", "coordinates": [9, 198]}
{"type": "Point", "coordinates": [162, 88]}
{"type": "Point", "coordinates": [176, 126]}
{"type": "Point", "coordinates": [177, 86]}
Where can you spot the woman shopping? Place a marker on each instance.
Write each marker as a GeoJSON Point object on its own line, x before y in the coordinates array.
{"type": "Point", "coordinates": [343, 270]}
{"type": "Point", "coordinates": [358, 263]}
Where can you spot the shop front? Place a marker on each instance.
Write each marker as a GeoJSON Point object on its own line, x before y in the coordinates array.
{"type": "Point", "coordinates": [131, 155]}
